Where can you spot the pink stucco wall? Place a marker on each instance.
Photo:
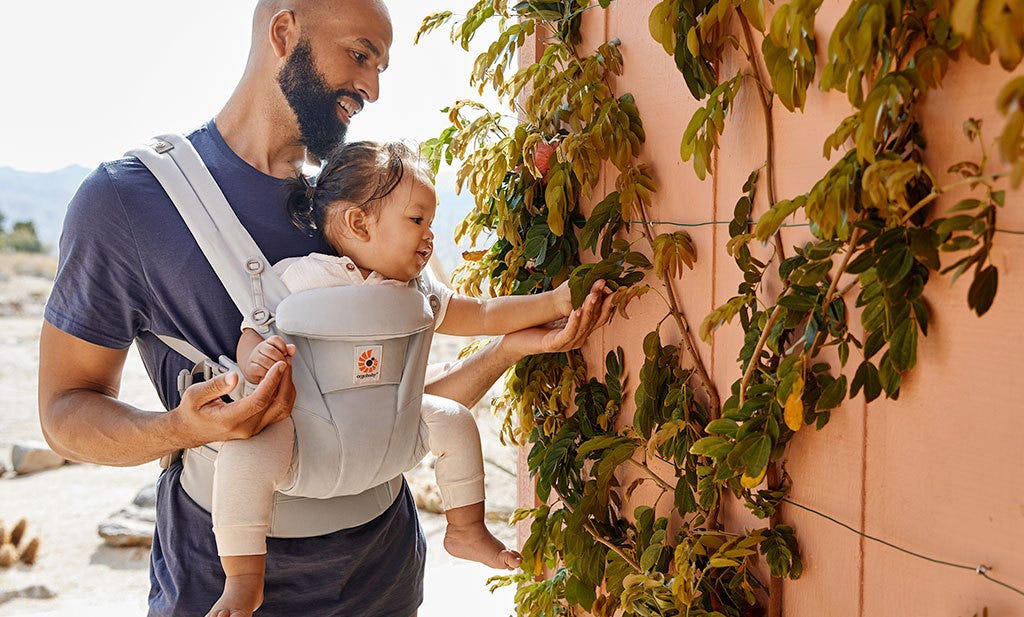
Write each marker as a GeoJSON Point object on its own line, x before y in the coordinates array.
{"type": "Point", "coordinates": [941, 471]}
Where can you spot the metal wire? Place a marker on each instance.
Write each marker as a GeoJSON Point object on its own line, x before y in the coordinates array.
{"type": "Point", "coordinates": [706, 223]}
{"type": "Point", "coordinates": [981, 569]}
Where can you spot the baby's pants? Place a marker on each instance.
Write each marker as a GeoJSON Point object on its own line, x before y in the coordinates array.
{"type": "Point", "coordinates": [248, 471]}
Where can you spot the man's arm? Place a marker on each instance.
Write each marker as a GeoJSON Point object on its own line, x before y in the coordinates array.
{"type": "Point", "coordinates": [468, 380]}
{"type": "Point", "coordinates": [82, 419]}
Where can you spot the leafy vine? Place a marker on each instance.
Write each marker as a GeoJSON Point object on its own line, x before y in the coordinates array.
{"type": "Point", "coordinates": [872, 230]}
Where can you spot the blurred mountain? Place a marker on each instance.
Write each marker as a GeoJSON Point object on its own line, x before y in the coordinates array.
{"type": "Point", "coordinates": [40, 197]}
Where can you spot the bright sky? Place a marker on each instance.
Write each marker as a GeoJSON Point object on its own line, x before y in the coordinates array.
{"type": "Point", "coordinates": [86, 80]}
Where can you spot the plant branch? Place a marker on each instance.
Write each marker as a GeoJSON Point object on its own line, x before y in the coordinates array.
{"type": "Point", "coordinates": [765, 96]}
{"type": "Point", "coordinates": [647, 470]}
{"type": "Point", "coordinates": [936, 193]}
{"type": "Point", "coordinates": [842, 268]}
{"type": "Point", "coordinates": [714, 403]}
{"type": "Point", "coordinates": [615, 549]}
{"type": "Point", "coordinates": [755, 358]}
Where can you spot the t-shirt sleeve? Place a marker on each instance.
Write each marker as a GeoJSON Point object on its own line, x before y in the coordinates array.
{"type": "Point", "coordinates": [444, 293]}
{"type": "Point", "coordinates": [100, 293]}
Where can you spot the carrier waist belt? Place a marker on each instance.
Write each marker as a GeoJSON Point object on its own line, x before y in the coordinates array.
{"type": "Point", "coordinates": [294, 517]}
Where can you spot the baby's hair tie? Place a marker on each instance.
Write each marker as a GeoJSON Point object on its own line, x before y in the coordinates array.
{"type": "Point", "coordinates": [310, 189]}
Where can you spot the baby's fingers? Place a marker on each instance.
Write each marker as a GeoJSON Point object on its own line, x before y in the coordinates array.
{"type": "Point", "coordinates": [255, 372]}
{"type": "Point", "coordinates": [271, 354]}
{"type": "Point", "coordinates": [279, 344]}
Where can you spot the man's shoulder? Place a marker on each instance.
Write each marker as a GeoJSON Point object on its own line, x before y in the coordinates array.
{"type": "Point", "coordinates": [129, 172]}
{"type": "Point", "coordinates": [123, 182]}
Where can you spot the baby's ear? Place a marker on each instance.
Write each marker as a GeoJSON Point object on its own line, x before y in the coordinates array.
{"type": "Point", "coordinates": [357, 223]}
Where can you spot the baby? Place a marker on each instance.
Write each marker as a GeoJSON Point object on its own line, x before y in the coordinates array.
{"type": "Point", "coordinates": [374, 204]}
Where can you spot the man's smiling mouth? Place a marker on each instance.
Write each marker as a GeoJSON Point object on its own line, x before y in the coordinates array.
{"type": "Point", "coordinates": [349, 106]}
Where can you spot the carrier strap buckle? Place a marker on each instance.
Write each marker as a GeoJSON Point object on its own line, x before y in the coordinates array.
{"type": "Point", "coordinates": [260, 316]}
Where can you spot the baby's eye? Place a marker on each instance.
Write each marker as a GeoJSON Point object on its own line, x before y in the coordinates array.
{"type": "Point", "coordinates": [416, 219]}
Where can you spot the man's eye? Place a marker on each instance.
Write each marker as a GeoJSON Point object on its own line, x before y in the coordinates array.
{"type": "Point", "coordinates": [360, 57]}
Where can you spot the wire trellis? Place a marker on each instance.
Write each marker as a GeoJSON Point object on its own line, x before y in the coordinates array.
{"type": "Point", "coordinates": [981, 569]}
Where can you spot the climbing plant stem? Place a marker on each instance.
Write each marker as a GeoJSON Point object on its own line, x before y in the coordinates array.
{"type": "Point", "coordinates": [765, 96]}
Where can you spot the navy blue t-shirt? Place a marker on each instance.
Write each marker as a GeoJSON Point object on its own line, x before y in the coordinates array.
{"type": "Point", "coordinates": [130, 269]}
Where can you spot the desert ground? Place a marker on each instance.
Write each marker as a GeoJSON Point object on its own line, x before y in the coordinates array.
{"type": "Point", "coordinates": [77, 574]}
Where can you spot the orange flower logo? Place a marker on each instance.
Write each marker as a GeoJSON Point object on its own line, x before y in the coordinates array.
{"type": "Point", "coordinates": [368, 363]}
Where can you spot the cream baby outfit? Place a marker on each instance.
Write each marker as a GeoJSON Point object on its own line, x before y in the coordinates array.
{"type": "Point", "coordinates": [248, 471]}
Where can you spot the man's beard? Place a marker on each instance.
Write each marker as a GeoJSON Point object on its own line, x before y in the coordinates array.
{"type": "Point", "coordinates": [314, 103]}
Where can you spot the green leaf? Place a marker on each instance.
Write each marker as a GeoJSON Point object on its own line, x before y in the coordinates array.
{"type": "Point", "coordinates": [722, 426]}
{"type": "Point", "coordinates": [866, 376]}
{"type": "Point", "coordinates": [753, 10]}
{"type": "Point", "coordinates": [601, 442]}
{"type": "Point", "coordinates": [685, 501]}
{"type": "Point", "coordinates": [983, 290]}
{"type": "Point", "coordinates": [650, 557]}
{"type": "Point", "coordinates": [810, 274]}
{"type": "Point", "coordinates": [557, 201]}
{"type": "Point", "coordinates": [603, 212]}
{"type": "Point", "coordinates": [756, 457]}
{"type": "Point", "coordinates": [903, 345]}
{"type": "Point", "coordinates": [781, 552]}
{"type": "Point", "coordinates": [895, 263]}
{"type": "Point", "coordinates": [771, 220]}
{"type": "Point", "coordinates": [722, 562]}
{"type": "Point", "coordinates": [861, 262]}
{"type": "Point", "coordinates": [579, 592]}
{"type": "Point", "coordinates": [833, 394]}
{"type": "Point", "coordinates": [889, 376]}
{"type": "Point", "coordinates": [720, 315]}
{"type": "Point", "coordinates": [966, 204]}
{"type": "Point", "coordinates": [959, 222]}
{"type": "Point", "coordinates": [715, 447]}
{"type": "Point", "coordinates": [797, 302]}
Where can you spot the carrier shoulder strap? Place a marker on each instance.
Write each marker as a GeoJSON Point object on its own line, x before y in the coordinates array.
{"type": "Point", "coordinates": [231, 251]}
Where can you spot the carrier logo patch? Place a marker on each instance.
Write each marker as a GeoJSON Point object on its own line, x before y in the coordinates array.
{"type": "Point", "coordinates": [368, 359]}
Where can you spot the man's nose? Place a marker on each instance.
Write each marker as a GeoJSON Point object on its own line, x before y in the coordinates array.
{"type": "Point", "coordinates": [368, 85]}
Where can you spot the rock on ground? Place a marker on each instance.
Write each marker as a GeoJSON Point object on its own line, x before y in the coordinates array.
{"type": "Point", "coordinates": [32, 456]}
{"type": "Point", "coordinates": [132, 525]}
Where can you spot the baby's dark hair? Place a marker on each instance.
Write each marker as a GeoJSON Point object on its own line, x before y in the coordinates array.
{"type": "Point", "coordinates": [356, 175]}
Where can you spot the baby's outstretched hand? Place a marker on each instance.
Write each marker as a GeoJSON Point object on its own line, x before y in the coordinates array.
{"type": "Point", "coordinates": [563, 299]}
{"type": "Point", "coordinates": [264, 355]}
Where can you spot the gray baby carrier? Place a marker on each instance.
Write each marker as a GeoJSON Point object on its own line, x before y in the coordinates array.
{"type": "Point", "coordinates": [358, 369]}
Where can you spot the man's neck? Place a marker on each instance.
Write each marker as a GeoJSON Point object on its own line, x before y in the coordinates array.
{"type": "Point", "coordinates": [261, 133]}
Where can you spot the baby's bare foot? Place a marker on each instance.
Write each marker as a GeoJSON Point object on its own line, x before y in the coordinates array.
{"type": "Point", "coordinates": [242, 595]}
{"type": "Point", "coordinates": [474, 542]}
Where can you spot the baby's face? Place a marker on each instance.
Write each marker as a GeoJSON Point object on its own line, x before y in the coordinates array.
{"type": "Point", "coordinates": [401, 241]}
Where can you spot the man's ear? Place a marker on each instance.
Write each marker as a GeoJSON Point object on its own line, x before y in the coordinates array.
{"type": "Point", "coordinates": [283, 32]}
{"type": "Point", "coordinates": [358, 223]}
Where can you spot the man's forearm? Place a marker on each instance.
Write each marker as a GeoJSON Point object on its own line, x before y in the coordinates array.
{"type": "Point", "coordinates": [90, 427]}
{"type": "Point", "coordinates": [468, 380]}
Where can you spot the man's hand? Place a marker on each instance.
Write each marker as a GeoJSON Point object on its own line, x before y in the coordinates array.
{"type": "Point", "coordinates": [581, 323]}
{"type": "Point", "coordinates": [82, 419]}
{"type": "Point", "coordinates": [205, 417]}
{"type": "Point", "coordinates": [467, 380]}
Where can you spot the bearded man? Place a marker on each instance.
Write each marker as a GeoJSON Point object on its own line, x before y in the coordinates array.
{"type": "Point", "coordinates": [130, 270]}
